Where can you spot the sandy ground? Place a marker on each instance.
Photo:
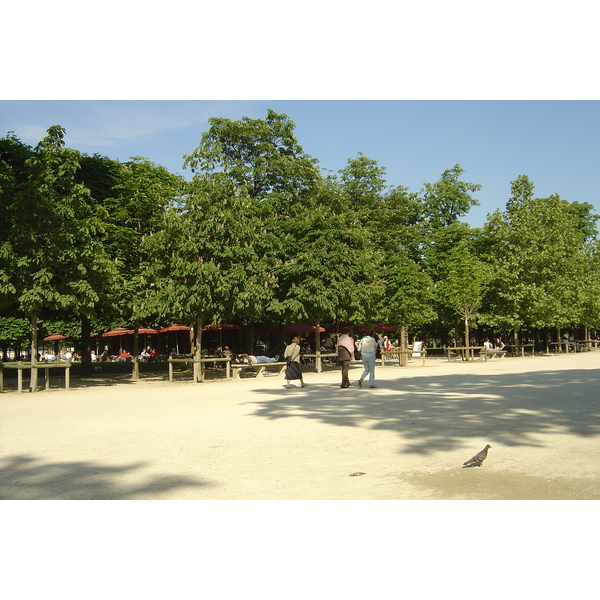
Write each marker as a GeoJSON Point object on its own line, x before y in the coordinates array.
{"type": "Point", "coordinates": [253, 439]}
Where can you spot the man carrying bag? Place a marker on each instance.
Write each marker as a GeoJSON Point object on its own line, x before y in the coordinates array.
{"type": "Point", "coordinates": [345, 352]}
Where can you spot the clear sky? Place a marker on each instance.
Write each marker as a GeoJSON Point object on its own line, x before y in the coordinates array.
{"type": "Point", "coordinates": [555, 143]}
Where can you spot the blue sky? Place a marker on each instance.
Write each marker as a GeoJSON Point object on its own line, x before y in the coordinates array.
{"type": "Point", "coordinates": [555, 143]}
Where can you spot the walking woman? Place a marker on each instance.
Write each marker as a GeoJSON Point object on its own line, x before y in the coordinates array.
{"type": "Point", "coordinates": [367, 348]}
{"type": "Point", "coordinates": [293, 369]}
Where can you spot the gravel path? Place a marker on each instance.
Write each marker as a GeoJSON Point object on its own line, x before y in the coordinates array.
{"type": "Point", "coordinates": [253, 439]}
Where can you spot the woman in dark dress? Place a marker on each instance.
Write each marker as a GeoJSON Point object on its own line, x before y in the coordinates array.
{"type": "Point", "coordinates": [293, 369]}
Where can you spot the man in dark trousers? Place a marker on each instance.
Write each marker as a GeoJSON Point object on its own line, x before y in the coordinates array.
{"type": "Point", "coordinates": [345, 352]}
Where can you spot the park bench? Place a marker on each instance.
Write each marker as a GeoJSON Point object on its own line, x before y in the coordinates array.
{"type": "Point", "coordinates": [490, 354]}
{"type": "Point", "coordinates": [258, 367]}
{"type": "Point", "coordinates": [455, 352]}
{"type": "Point", "coordinates": [519, 349]}
{"type": "Point", "coordinates": [558, 346]}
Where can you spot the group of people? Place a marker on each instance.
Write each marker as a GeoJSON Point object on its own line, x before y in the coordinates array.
{"type": "Point", "coordinates": [62, 356]}
{"type": "Point", "coordinates": [345, 348]}
{"type": "Point", "coordinates": [124, 355]}
{"type": "Point", "coordinates": [571, 342]}
{"type": "Point", "coordinates": [489, 347]}
{"type": "Point", "coordinates": [367, 346]}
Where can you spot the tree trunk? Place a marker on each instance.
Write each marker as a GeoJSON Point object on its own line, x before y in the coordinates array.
{"type": "Point", "coordinates": [467, 339]}
{"type": "Point", "coordinates": [318, 336]}
{"type": "Point", "coordinates": [86, 346]}
{"type": "Point", "coordinates": [403, 358]}
{"type": "Point", "coordinates": [34, 353]}
{"type": "Point", "coordinates": [318, 345]}
{"type": "Point", "coordinates": [198, 352]}
{"type": "Point", "coordinates": [192, 337]}
{"type": "Point", "coordinates": [135, 371]}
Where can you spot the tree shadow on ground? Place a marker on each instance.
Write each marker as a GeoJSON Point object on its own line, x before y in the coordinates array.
{"type": "Point", "coordinates": [25, 477]}
{"type": "Point", "coordinates": [437, 413]}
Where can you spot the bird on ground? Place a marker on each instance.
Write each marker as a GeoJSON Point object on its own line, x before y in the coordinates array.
{"type": "Point", "coordinates": [476, 460]}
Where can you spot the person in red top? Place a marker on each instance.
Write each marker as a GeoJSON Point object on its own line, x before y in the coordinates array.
{"type": "Point", "coordinates": [124, 356]}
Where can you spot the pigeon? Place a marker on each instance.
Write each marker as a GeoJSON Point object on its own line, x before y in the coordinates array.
{"type": "Point", "coordinates": [476, 460]}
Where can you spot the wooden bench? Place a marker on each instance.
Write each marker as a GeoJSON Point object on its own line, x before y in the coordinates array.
{"type": "Point", "coordinates": [490, 354]}
{"type": "Point", "coordinates": [236, 369]}
{"type": "Point", "coordinates": [519, 349]}
{"type": "Point", "coordinates": [589, 344]}
{"type": "Point", "coordinates": [463, 352]}
{"type": "Point", "coordinates": [569, 346]}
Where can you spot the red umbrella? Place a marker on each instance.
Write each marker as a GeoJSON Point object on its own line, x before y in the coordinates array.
{"type": "Point", "coordinates": [302, 328]}
{"type": "Point", "coordinates": [54, 337]}
{"type": "Point", "coordinates": [174, 328]}
{"type": "Point", "coordinates": [118, 331]}
{"type": "Point", "coordinates": [220, 327]}
{"type": "Point", "coordinates": [147, 330]}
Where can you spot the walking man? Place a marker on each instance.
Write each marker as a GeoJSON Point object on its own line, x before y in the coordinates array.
{"type": "Point", "coordinates": [345, 352]}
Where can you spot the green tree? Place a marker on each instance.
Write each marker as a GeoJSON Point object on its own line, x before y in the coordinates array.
{"type": "Point", "coordinates": [589, 298]}
{"type": "Point", "coordinates": [246, 174]}
{"type": "Point", "coordinates": [329, 265]}
{"type": "Point", "coordinates": [464, 285]}
{"type": "Point", "coordinates": [449, 198]}
{"type": "Point", "coordinates": [14, 332]}
{"type": "Point", "coordinates": [201, 256]}
{"type": "Point", "coordinates": [141, 196]}
{"type": "Point", "coordinates": [394, 220]}
{"type": "Point", "coordinates": [408, 298]}
{"type": "Point", "coordinates": [535, 251]}
{"type": "Point", "coordinates": [261, 156]}
{"type": "Point", "coordinates": [521, 192]}
{"type": "Point", "coordinates": [362, 180]}
{"type": "Point", "coordinates": [52, 256]}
